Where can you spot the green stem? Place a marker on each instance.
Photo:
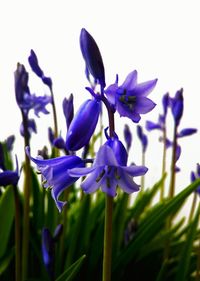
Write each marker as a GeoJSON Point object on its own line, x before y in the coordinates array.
{"type": "Point", "coordinates": [27, 185]}
{"type": "Point", "coordinates": [17, 236]}
{"type": "Point", "coordinates": [163, 164]}
{"type": "Point", "coordinates": [107, 250]}
{"type": "Point", "coordinates": [173, 165]}
{"type": "Point", "coordinates": [54, 114]}
{"type": "Point", "coordinates": [107, 253]}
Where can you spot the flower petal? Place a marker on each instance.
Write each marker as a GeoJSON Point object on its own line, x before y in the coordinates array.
{"type": "Point", "coordinates": [144, 105]}
{"type": "Point", "coordinates": [135, 171]}
{"type": "Point", "coordinates": [130, 81]}
{"type": "Point", "coordinates": [145, 88]}
{"type": "Point", "coordinates": [127, 184]}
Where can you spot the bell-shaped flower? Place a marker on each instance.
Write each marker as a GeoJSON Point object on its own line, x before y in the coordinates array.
{"type": "Point", "coordinates": [55, 173]}
{"type": "Point", "coordinates": [92, 57]}
{"type": "Point", "coordinates": [110, 170]}
{"type": "Point", "coordinates": [130, 99]}
{"type": "Point", "coordinates": [8, 177]}
{"type": "Point", "coordinates": [83, 125]}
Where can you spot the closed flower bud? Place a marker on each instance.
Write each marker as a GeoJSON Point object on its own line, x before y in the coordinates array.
{"type": "Point", "coordinates": [83, 125]}
{"type": "Point", "coordinates": [177, 106]}
{"type": "Point", "coordinates": [92, 57]}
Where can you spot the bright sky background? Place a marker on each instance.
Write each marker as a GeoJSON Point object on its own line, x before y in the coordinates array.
{"type": "Point", "coordinates": [158, 38]}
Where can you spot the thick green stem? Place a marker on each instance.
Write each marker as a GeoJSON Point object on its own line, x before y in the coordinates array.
{"type": "Point", "coordinates": [107, 250]}
{"type": "Point", "coordinates": [27, 186]}
{"type": "Point", "coordinates": [163, 164]}
{"type": "Point", "coordinates": [107, 253]}
{"type": "Point", "coordinates": [17, 236]}
{"type": "Point", "coordinates": [173, 165]}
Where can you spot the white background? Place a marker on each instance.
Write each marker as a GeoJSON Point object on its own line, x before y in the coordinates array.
{"type": "Point", "coordinates": [158, 38]}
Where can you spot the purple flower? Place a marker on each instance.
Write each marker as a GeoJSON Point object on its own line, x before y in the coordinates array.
{"type": "Point", "coordinates": [177, 106]}
{"type": "Point", "coordinates": [31, 127]}
{"type": "Point", "coordinates": [33, 61]}
{"type": "Point", "coordinates": [110, 171]}
{"type": "Point", "coordinates": [142, 137]}
{"type": "Point", "coordinates": [68, 109]}
{"type": "Point", "coordinates": [83, 125]}
{"type": "Point", "coordinates": [48, 252]}
{"type": "Point", "coordinates": [55, 173]}
{"type": "Point", "coordinates": [130, 99]}
{"type": "Point", "coordinates": [186, 132]}
{"type": "Point", "coordinates": [92, 57]}
{"type": "Point", "coordinates": [8, 177]}
{"type": "Point", "coordinates": [127, 137]}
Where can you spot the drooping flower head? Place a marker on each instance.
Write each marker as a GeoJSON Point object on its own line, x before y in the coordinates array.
{"type": "Point", "coordinates": [110, 170]}
{"type": "Point", "coordinates": [92, 57]}
{"type": "Point", "coordinates": [83, 124]}
{"type": "Point", "coordinates": [55, 173]}
{"type": "Point", "coordinates": [130, 99]}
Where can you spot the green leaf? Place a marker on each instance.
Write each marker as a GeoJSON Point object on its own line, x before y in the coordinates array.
{"type": "Point", "coordinates": [184, 261]}
{"type": "Point", "coordinates": [7, 211]}
{"type": "Point", "coordinates": [5, 261]}
{"type": "Point", "coordinates": [152, 226]}
{"type": "Point", "coordinates": [72, 271]}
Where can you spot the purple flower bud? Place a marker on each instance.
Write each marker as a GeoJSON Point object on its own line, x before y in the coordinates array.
{"type": "Point", "coordinates": [9, 142]}
{"type": "Point", "coordinates": [58, 231]}
{"type": "Point", "coordinates": [48, 251]}
{"type": "Point", "coordinates": [127, 136]}
{"type": "Point", "coordinates": [33, 61]}
{"type": "Point", "coordinates": [177, 106]}
{"type": "Point", "coordinates": [165, 102]}
{"type": "Point", "coordinates": [92, 57]}
{"type": "Point", "coordinates": [186, 132]}
{"type": "Point", "coordinates": [118, 149]}
{"type": "Point", "coordinates": [68, 109]}
{"type": "Point", "coordinates": [31, 127]}
{"type": "Point", "coordinates": [83, 125]}
{"type": "Point", "coordinates": [8, 177]}
{"type": "Point", "coordinates": [142, 137]}
{"type": "Point", "coordinates": [59, 143]}
{"type": "Point", "coordinates": [50, 135]}
{"type": "Point", "coordinates": [152, 126]}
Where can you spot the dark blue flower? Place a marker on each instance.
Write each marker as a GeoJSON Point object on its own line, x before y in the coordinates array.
{"type": "Point", "coordinates": [8, 177]}
{"type": "Point", "coordinates": [33, 61]}
{"type": "Point", "coordinates": [142, 137]}
{"type": "Point", "coordinates": [177, 106]}
{"type": "Point", "coordinates": [127, 137]}
{"type": "Point", "coordinates": [130, 99]}
{"type": "Point", "coordinates": [186, 132]}
{"type": "Point", "coordinates": [68, 109]}
{"type": "Point", "coordinates": [55, 173]}
{"type": "Point", "coordinates": [92, 57]}
{"type": "Point", "coordinates": [31, 127]}
{"type": "Point", "coordinates": [109, 171]}
{"type": "Point", "coordinates": [83, 124]}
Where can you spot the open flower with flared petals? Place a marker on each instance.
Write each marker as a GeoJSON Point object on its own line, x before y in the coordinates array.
{"type": "Point", "coordinates": [55, 173]}
{"type": "Point", "coordinates": [110, 171]}
{"type": "Point", "coordinates": [130, 99]}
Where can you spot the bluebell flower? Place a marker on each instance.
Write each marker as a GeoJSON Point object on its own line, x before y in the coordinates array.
{"type": "Point", "coordinates": [177, 106]}
{"type": "Point", "coordinates": [130, 99]}
{"type": "Point", "coordinates": [83, 125]}
{"type": "Point", "coordinates": [31, 127]}
{"type": "Point", "coordinates": [55, 173]}
{"type": "Point", "coordinates": [8, 177]}
{"type": "Point", "coordinates": [68, 109]}
{"type": "Point", "coordinates": [110, 170]}
{"type": "Point", "coordinates": [142, 137]}
{"type": "Point", "coordinates": [33, 61]}
{"type": "Point", "coordinates": [92, 57]}
{"type": "Point", "coordinates": [127, 137]}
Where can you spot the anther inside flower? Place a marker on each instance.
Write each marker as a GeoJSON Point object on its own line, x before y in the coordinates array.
{"type": "Point", "coordinates": [110, 170]}
{"type": "Point", "coordinates": [130, 99]}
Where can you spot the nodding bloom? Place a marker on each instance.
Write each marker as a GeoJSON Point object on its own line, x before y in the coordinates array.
{"type": "Point", "coordinates": [110, 170]}
{"type": "Point", "coordinates": [92, 57]}
{"type": "Point", "coordinates": [130, 99]}
{"type": "Point", "coordinates": [195, 175]}
{"type": "Point", "coordinates": [55, 173]}
{"type": "Point", "coordinates": [83, 125]}
{"type": "Point", "coordinates": [177, 106]}
{"type": "Point", "coordinates": [142, 137]}
{"type": "Point", "coordinates": [25, 100]}
{"type": "Point", "coordinates": [127, 137]}
{"type": "Point", "coordinates": [33, 61]}
{"type": "Point", "coordinates": [8, 177]}
{"type": "Point", "coordinates": [68, 109]}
